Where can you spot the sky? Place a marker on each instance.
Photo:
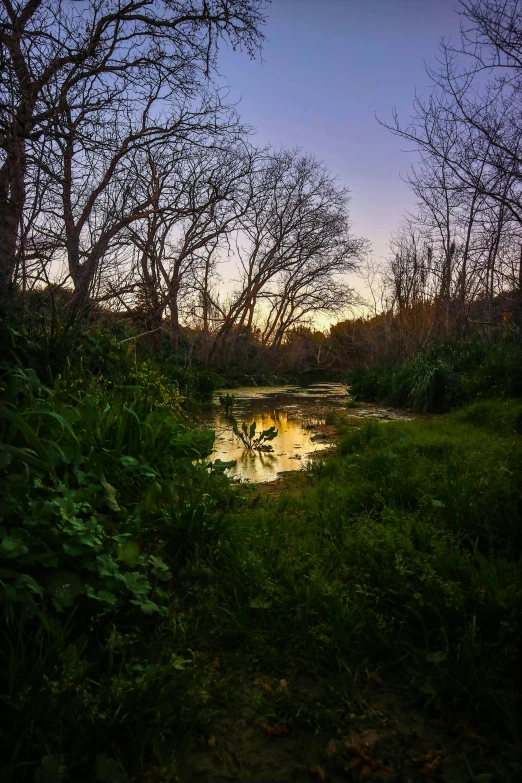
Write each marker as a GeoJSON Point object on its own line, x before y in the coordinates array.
{"type": "Point", "coordinates": [328, 68]}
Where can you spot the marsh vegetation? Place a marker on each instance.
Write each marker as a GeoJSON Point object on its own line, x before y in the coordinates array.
{"type": "Point", "coordinates": [163, 616]}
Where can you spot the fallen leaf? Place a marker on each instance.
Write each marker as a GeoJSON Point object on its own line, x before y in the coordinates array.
{"type": "Point", "coordinates": [427, 756]}
{"type": "Point", "coordinates": [211, 741]}
{"type": "Point", "coordinates": [317, 770]}
{"type": "Point", "coordinates": [430, 767]}
{"type": "Point", "coordinates": [156, 774]}
{"type": "Point", "coordinates": [216, 664]}
{"type": "Point", "coordinates": [283, 686]}
{"type": "Point", "coordinates": [273, 731]}
{"type": "Point", "coordinates": [369, 737]}
{"type": "Point", "coordinates": [430, 761]}
{"type": "Point", "coordinates": [463, 727]}
{"type": "Point", "coordinates": [356, 750]}
{"type": "Point", "coordinates": [332, 748]}
{"type": "Point", "coordinates": [266, 683]}
{"type": "Point", "coordinates": [366, 772]}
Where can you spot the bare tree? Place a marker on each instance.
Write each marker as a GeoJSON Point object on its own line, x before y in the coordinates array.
{"type": "Point", "coordinates": [471, 122]}
{"type": "Point", "coordinates": [300, 294]}
{"type": "Point", "coordinates": [106, 50]}
{"type": "Point", "coordinates": [298, 220]}
{"type": "Point", "coordinates": [209, 195]}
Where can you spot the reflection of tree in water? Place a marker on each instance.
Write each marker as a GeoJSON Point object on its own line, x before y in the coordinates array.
{"type": "Point", "coordinates": [292, 414]}
{"type": "Point", "coordinates": [263, 419]}
{"type": "Point", "coordinates": [280, 417]}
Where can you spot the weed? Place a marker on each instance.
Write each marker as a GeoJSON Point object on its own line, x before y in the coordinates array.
{"type": "Point", "coordinates": [227, 402]}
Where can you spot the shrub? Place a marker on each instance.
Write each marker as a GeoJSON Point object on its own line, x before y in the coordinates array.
{"type": "Point", "coordinates": [106, 495]}
{"type": "Point", "coordinates": [445, 376]}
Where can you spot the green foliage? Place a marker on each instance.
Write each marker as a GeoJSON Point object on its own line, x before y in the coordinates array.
{"type": "Point", "coordinates": [106, 494]}
{"type": "Point", "coordinates": [67, 529]}
{"type": "Point", "coordinates": [249, 439]}
{"type": "Point", "coordinates": [123, 552]}
{"type": "Point", "coordinates": [227, 402]}
{"type": "Point", "coordinates": [446, 376]}
{"type": "Point", "coordinates": [402, 553]}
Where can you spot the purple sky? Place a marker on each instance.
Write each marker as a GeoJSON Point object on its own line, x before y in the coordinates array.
{"type": "Point", "coordinates": [328, 67]}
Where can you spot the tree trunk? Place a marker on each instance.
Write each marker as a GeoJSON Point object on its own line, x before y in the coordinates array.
{"type": "Point", "coordinates": [519, 301]}
{"type": "Point", "coordinates": [12, 198]}
{"type": "Point", "coordinates": [174, 327]}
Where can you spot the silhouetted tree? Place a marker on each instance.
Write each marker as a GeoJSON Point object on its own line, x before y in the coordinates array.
{"type": "Point", "coordinates": [69, 68]}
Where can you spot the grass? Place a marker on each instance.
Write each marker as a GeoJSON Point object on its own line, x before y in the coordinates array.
{"type": "Point", "coordinates": [403, 555]}
{"type": "Point", "coordinates": [128, 567]}
{"type": "Point", "coordinates": [447, 375]}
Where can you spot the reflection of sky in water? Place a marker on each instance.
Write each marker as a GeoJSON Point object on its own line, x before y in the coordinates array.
{"type": "Point", "coordinates": [289, 409]}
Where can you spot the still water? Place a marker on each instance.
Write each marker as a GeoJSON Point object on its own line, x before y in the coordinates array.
{"type": "Point", "coordinates": [294, 411]}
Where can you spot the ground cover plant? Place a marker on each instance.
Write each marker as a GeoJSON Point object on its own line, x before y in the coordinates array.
{"type": "Point", "coordinates": [140, 590]}
{"type": "Point", "coordinates": [106, 491]}
{"type": "Point", "coordinates": [404, 552]}
{"type": "Point", "coordinates": [396, 560]}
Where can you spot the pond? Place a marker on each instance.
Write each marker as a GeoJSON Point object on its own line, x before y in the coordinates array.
{"type": "Point", "coordinates": [294, 411]}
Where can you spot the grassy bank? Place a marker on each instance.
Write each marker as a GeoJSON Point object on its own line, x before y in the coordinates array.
{"type": "Point", "coordinates": [402, 554]}
{"type": "Point", "coordinates": [445, 376]}
{"type": "Point", "coordinates": [137, 585]}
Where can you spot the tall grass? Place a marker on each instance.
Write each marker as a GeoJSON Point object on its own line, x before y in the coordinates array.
{"type": "Point", "coordinates": [403, 555]}
{"type": "Point", "coordinates": [446, 376]}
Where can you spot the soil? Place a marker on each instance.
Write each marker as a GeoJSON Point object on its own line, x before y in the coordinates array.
{"type": "Point", "coordinates": [388, 737]}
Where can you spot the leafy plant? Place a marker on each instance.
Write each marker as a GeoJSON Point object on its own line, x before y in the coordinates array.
{"type": "Point", "coordinates": [227, 402]}
{"type": "Point", "coordinates": [448, 374]}
{"type": "Point", "coordinates": [106, 494]}
{"type": "Point", "coordinates": [249, 439]}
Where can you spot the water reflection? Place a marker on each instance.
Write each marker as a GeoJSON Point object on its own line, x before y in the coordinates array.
{"type": "Point", "coordinates": [292, 410]}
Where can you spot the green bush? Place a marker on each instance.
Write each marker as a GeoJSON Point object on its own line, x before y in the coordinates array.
{"type": "Point", "coordinates": [445, 376]}
{"type": "Point", "coordinates": [106, 496]}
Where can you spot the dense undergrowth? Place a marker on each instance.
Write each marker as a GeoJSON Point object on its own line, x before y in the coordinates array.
{"type": "Point", "coordinates": [447, 375]}
{"type": "Point", "coordinates": [106, 494]}
{"type": "Point", "coordinates": [404, 554]}
{"type": "Point", "coordinates": [128, 566]}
